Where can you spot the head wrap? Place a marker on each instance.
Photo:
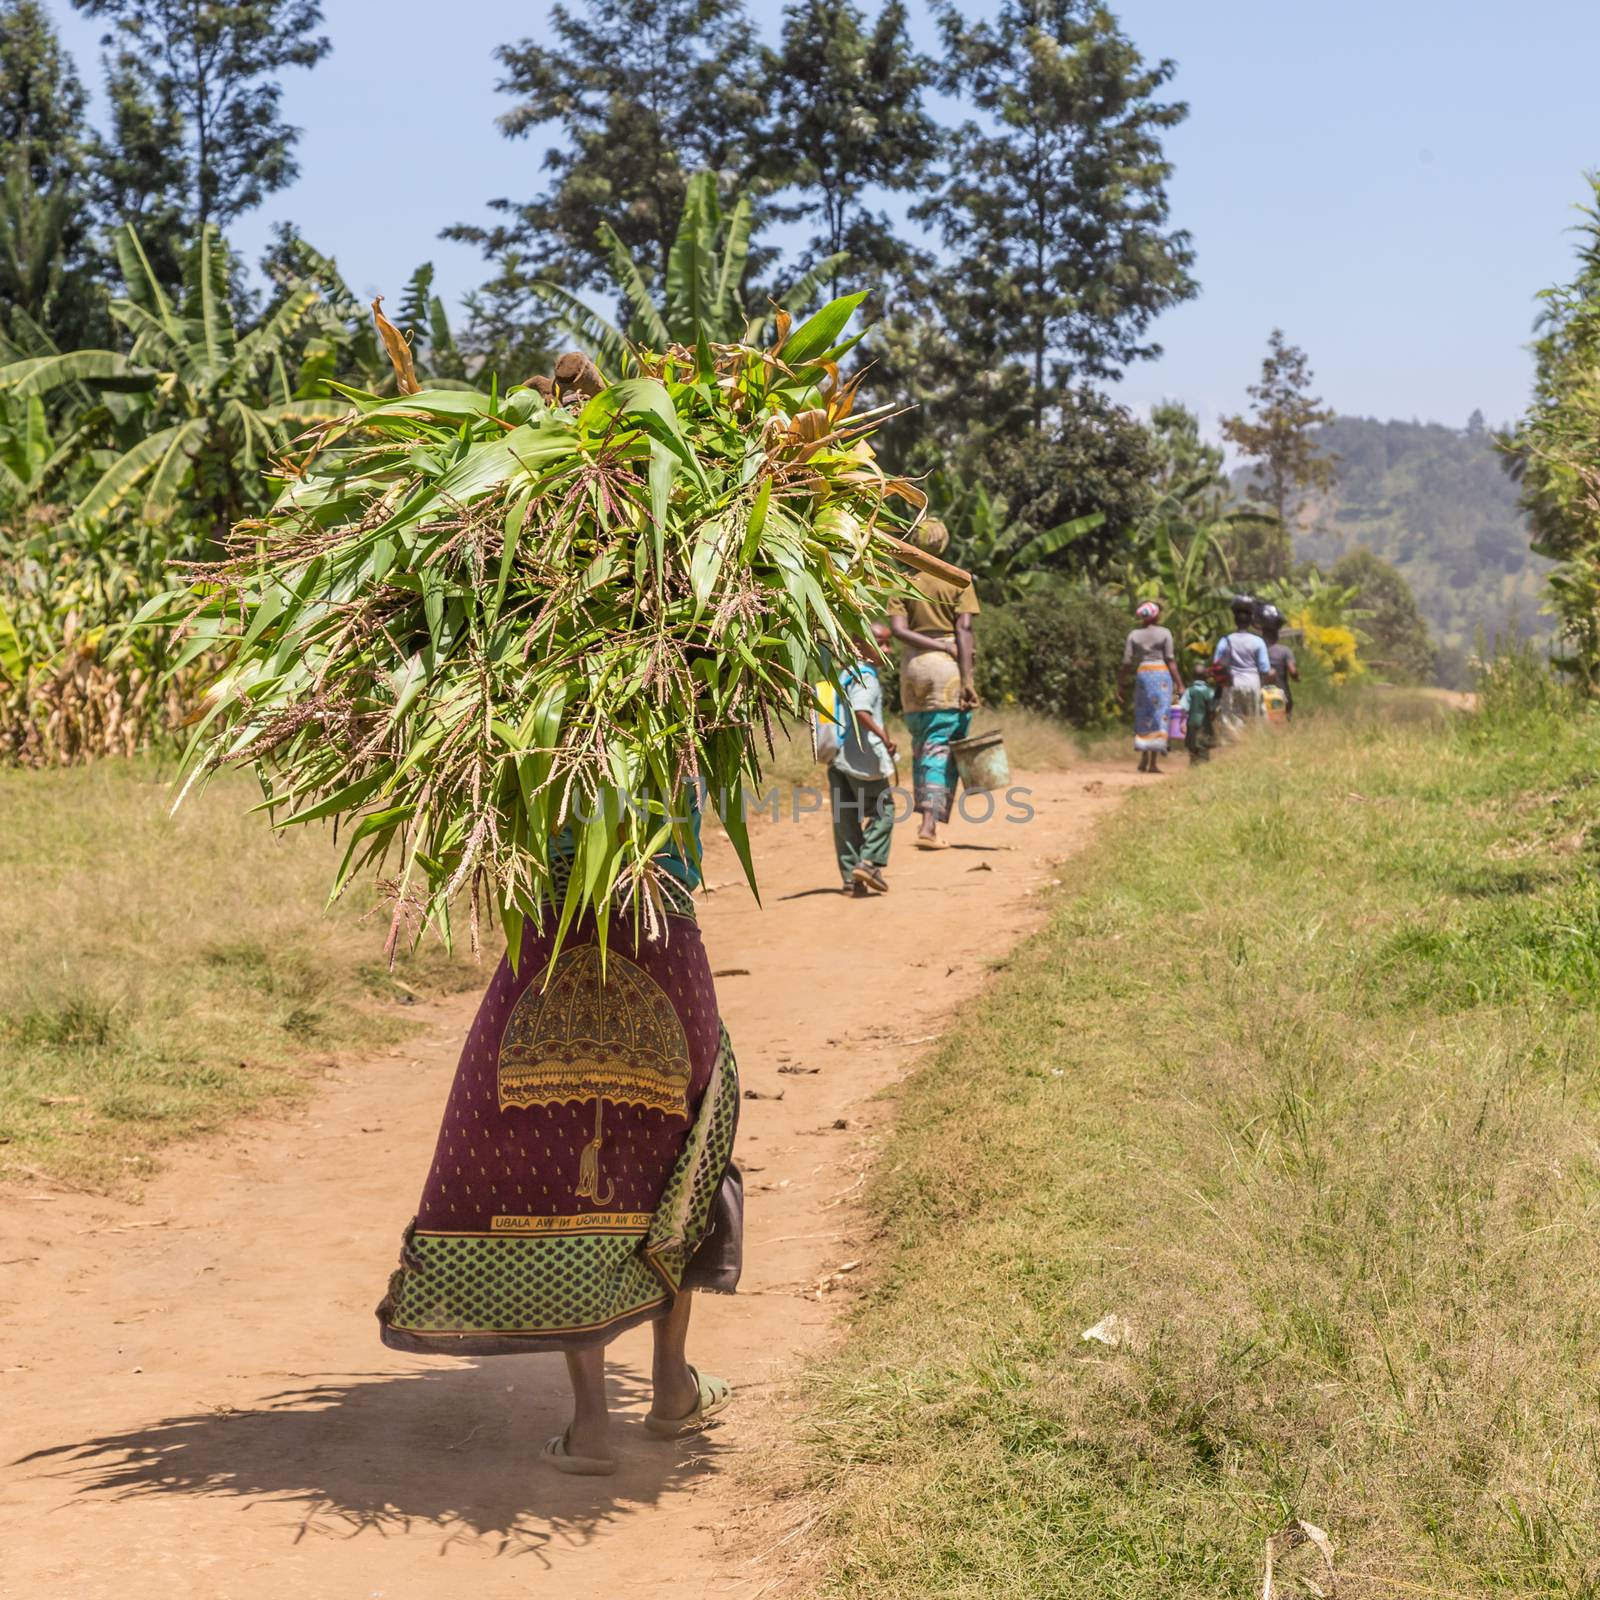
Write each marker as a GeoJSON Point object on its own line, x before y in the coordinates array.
{"type": "Point", "coordinates": [1148, 612]}
{"type": "Point", "coordinates": [932, 536]}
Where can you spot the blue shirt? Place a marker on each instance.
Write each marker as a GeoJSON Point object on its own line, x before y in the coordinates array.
{"type": "Point", "coordinates": [1243, 652]}
{"type": "Point", "coordinates": [861, 754]}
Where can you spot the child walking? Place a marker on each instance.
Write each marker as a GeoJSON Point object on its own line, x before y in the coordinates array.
{"type": "Point", "coordinates": [1201, 700]}
{"type": "Point", "coordinates": [859, 777]}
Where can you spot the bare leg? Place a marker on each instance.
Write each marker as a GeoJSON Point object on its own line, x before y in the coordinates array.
{"type": "Point", "coordinates": [590, 1431]}
{"type": "Point", "coordinates": [676, 1392]}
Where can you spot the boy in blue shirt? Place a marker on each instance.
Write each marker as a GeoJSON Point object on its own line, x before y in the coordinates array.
{"type": "Point", "coordinates": [860, 775]}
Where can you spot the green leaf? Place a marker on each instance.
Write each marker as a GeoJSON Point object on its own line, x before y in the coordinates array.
{"type": "Point", "coordinates": [508, 555]}
{"type": "Point", "coordinates": [818, 334]}
{"type": "Point", "coordinates": [209, 280]}
{"type": "Point", "coordinates": [757, 524]}
{"type": "Point", "coordinates": [646, 402]}
{"type": "Point", "coordinates": [41, 374]}
{"type": "Point", "coordinates": [11, 658]}
{"type": "Point", "coordinates": [128, 471]}
{"type": "Point", "coordinates": [640, 302]}
{"type": "Point", "coordinates": [344, 799]}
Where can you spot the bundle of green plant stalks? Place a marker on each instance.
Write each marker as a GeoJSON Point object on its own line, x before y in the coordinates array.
{"type": "Point", "coordinates": [498, 638]}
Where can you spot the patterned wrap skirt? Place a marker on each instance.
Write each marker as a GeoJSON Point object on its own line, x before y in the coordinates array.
{"type": "Point", "coordinates": [583, 1174]}
{"type": "Point", "coordinates": [1152, 707]}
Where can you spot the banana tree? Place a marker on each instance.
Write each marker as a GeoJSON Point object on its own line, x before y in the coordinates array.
{"type": "Point", "coordinates": [342, 343]}
{"type": "Point", "coordinates": [703, 295]}
{"type": "Point", "coordinates": [1183, 564]}
{"type": "Point", "coordinates": [1319, 600]}
{"type": "Point", "coordinates": [30, 456]}
{"type": "Point", "coordinates": [1004, 558]}
{"type": "Point", "coordinates": [213, 403]}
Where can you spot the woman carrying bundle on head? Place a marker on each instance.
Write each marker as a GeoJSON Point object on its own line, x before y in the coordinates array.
{"type": "Point", "coordinates": [937, 696]}
{"type": "Point", "coordinates": [503, 638]}
{"type": "Point", "coordinates": [1150, 664]}
{"type": "Point", "coordinates": [583, 1179]}
{"type": "Point", "coordinates": [1245, 656]}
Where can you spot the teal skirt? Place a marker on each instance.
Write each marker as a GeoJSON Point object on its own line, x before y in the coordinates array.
{"type": "Point", "coordinates": [933, 767]}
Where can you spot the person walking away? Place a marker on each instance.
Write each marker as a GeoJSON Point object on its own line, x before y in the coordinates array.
{"type": "Point", "coordinates": [934, 626]}
{"type": "Point", "coordinates": [1201, 700]}
{"type": "Point", "coordinates": [860, 775]}
{"type": "Point", "coordinates": [1285, 669]}
{"type": "Point", "coordinates": [583, 1179]}
{"type": "Point", "coordinates": [1150, 665]}
{"type": "Point", "coordinates": [1245, 656]}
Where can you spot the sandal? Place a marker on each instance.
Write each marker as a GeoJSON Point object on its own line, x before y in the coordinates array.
{"type": "Point", "coordinates": [557, 1455]}
{"type": "Point", "coordinates": [714, 1397]}
{"type": "Point", "coordinates": [931, 844]}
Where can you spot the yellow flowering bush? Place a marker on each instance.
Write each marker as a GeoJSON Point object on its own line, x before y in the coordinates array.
{"type": "Point", "coordinates": [1334, 649]}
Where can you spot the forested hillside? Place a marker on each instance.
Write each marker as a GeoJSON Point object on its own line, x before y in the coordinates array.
{"type": "Point", "coordinates": [1437, 503]}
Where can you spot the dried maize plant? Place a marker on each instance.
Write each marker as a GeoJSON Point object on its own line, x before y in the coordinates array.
{"type": "Point", "coordinates": [74, 686]}
{"type": "Point", "coordinates": [495, 635]}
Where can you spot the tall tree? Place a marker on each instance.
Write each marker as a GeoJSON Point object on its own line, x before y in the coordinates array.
{"type": "Point", "coordinates": [1190, 467]}
{"type": "Point", "coordinates": [215, 64]}
{"type": "Point", "coordinates": [1280, 438]}
{"type": "Point", "coordinates": [139, 171]}
{"type": "Point", "coordinates": [1554, 450]}
{"type": "Point", "coordinates": [644, 93]}
{"type": "Point", "coordinates": [1055, 204]}
{"type": "Point", "coordinates": [848, 116]}
{"type": "Point", "coordinates": [1545, 451]}
{"type": "Point", "coordinates": [47, 288]}
{"type": "Point", "coordinates": [1400, 646]}
{"type": "Point", "coordinates": [508, 333]}
{"type": "Point", "coordinates": [42, 99]}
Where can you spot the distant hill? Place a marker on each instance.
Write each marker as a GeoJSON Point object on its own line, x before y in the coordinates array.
{"type": "Point", "coordinates": [1437, 503]}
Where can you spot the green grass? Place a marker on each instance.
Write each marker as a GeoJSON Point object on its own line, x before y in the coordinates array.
{"type": "Point", "coordinates": [1301, 1080]}
{"type": "Point", "coordinates": [163, 975]}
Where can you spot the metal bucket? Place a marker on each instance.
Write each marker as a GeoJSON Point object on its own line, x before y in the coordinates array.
{"type": "Point", "coordinates": [981, 761]}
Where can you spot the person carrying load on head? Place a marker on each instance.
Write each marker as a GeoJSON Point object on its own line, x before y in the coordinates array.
{"type": "Point", "coordinates": [1285, 669]}
{"type": "Point", "coordinates": [1150, 665]}
{"type": "Point", "coordinates": [937, 693]}
{"type": "Point", "coordinates": [1244, 654]}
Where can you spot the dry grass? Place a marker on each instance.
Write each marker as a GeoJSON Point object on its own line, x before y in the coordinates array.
{"type": "Point", "coordinates": [1309, 1094]}
{"type": "Point", "coordinates": [163, 975]}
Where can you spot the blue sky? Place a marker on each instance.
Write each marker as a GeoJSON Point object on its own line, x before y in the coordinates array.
{"type": "Point", "coordinates": [1391, 183]}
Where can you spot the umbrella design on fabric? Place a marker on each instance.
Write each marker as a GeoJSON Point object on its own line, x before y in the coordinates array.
{"type": "Point", "coordinates": [595, 1034]}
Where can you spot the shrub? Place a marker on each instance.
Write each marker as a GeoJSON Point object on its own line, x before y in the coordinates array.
{"type": "Point", "coordinates": [1517, 684]}
{"type": "Point", "coordinates": [1055, 651]}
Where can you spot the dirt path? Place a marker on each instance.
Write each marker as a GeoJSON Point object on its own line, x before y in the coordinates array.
{"type": "Point", "coordinates": [193, 1399]}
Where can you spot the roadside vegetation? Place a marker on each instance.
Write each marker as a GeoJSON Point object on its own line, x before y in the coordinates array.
{"type": "Point", "coordinates": [1300, 1085]}
{"type": "Point", "coordinates": [165, 975]}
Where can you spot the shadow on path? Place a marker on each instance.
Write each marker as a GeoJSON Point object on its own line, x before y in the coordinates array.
{"type": "Point", "coordinates": [456, 1449]}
